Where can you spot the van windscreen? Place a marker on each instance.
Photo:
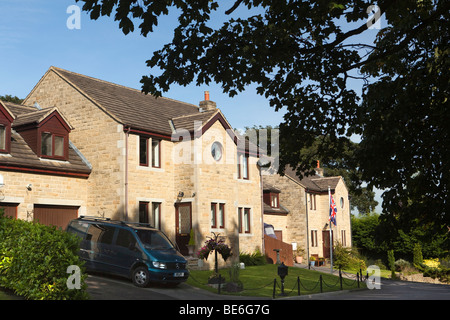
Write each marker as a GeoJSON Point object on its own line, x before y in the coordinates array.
{"type": "Point", "coordinates": [154, 240]}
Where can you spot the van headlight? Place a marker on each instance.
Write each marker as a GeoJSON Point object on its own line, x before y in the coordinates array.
{"type": "Point", "coordinates": [159, 265]}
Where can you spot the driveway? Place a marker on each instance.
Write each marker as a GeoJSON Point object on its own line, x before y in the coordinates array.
{"type": "Point", "coordinates": [112, 288]}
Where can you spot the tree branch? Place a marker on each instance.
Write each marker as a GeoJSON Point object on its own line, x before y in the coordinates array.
{"type": "Point", "coordinates": [234, 7]}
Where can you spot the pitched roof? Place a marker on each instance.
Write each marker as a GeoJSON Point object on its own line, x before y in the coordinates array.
{"type": "Point", "coordinates": [22, 157]}
{"type": "Point", "coordinates": [141, 112]}
{"type": "Point", "coordinates": [35, 116]}
{"type": "Point", "coordinates": [270, 210]}
{"type": "Point", "coordinates": [269, 187]}
{"type": "Point", "coordinates": [129, 106]}
{"type": "Point", "coordinates": [314, 182]}
{"type": "Point", "coordinates": [187, 122]}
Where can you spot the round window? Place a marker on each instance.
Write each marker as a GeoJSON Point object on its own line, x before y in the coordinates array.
{"type": "Point", "coordinates": [216, 151]}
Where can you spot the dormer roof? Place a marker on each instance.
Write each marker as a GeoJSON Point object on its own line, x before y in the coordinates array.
{"type": "Point", "coordinates": [22, 157]}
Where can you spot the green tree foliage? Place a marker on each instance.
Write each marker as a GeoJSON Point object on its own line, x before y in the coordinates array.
{"type": "Point", "coordinates": [362, 198]}
{"type": "Point", "coordinates": [364, 236]}
{"type": "Point", "coordinates": [391, 262]}
{"type": "Point", "coordinates": [347, 258]}
{"type": "Point", "coordinates": [375, 234]}
{"type": "Point", "coordinates": [34, 259]}
{"type": "Point", "coordinates": [11, 98]}
{"type": "Point", "coordinates": [302, 56]}
{"type": "Point", "coordinates": [417, 256]}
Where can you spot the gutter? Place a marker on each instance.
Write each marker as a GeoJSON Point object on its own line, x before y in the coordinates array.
{"type": "Point", "coordinates": [127, 134]}
{"type": "Point", "coordinates": [307, 229]}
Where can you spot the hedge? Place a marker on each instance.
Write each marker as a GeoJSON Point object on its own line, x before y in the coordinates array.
{"type": "Point", "coordinates": [34, 259]}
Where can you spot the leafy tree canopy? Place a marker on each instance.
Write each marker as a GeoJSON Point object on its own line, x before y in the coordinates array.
{"type": "Point", "coordinates": [10, 98]}
{"type": "Point", "coordinates": [302, 56]}
{"type": "Point", "coordinates": [362, 198]}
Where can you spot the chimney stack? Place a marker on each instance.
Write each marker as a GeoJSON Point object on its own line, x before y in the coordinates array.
{"type": "Point", "coordinates": [319, 170]}
{"type": "Point", "coordinates": [207, 105]}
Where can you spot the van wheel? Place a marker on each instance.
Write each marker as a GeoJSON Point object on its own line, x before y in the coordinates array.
{"type": "Point", "coordinates": [140, 277]}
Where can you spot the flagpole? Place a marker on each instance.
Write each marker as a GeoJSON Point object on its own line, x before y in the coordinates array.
{"type": "Point", "coordinates": [331, 234]}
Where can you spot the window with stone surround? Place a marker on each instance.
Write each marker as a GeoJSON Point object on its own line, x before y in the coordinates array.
{"type": "Point", "coordinates": [244, 217]}
{"type": "Point", "coordinates": [312, 201]}
{"type": "Point", "coordinates": [314, 242]}
{"type": "Point", "coordinates": [218, 215]}
{"type": "Point", "coordinates": [143, 212]}
{"type": "Point", "coordinates": [156, 215]}
{"type": "Point", "coordinates": [343, 238]}
{"type": "Point", "coordinates": [149, 152]}
{"type": "Point", "coordinates": [143, 151]}
{"type": "Point", "coordinates": [156, 153]}
{"type": "Point", "coordinates": [242, 166]}
{"type": "Point", "coordinates": [152, 217]}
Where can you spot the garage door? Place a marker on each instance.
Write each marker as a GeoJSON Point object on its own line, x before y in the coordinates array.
{"type": "Point", "coordinates": [59, 216]}
{"type": "Point", "coordinates": [10, 209]}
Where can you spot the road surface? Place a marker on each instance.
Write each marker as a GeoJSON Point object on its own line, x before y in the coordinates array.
{"type": "Point", "coordinates": [109, 288]}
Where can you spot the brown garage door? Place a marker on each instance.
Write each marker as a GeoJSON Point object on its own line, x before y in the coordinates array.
{"type": "Point", "coordinates": [59, 216]}
{"type": "Point", "coordinates": [10, 209]}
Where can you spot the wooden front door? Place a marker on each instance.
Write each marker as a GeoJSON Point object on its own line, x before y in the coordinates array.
{"type": "Point", "coordinates": [326, 243]}
{"type": "Point", "coordinates": [183, 226]}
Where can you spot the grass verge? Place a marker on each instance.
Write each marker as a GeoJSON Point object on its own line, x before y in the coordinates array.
{"type": "Point", "coordinates": [258, 281]}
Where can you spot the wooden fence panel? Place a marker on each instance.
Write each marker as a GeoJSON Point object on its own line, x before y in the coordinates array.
{"type": "Point", "coordinates": [286, 254]}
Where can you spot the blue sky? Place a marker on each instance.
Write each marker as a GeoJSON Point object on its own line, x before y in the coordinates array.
{"type": "Point", "coordinates": [34, 36]}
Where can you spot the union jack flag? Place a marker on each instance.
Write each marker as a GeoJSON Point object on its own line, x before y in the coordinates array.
{"type": "Point", "coordinates": [333, 210]}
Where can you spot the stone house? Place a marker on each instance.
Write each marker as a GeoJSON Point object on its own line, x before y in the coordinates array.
{"type": "Point", "coordinates": [42, 173]}
{"type": "Point", "coordinates": [138, 158]}
{"type": "Point", "coordinates": [298, 210]}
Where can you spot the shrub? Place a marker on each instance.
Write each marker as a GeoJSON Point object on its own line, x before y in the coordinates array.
{"type": "Point", "coordinates": [442, 274]}
{"type": "Point", "coordinates": [391, 262]}
{"type": "Point", "coordinates": [34, 259]}
{"type": "Point", "coordinates": [417, 255]}
{"type": "Point", "coordinates": [253, 259]}
{"type": "Point", "coordinates": [379, 263]}
{"type": "Point", "coordinates": [445, 262]}
{"type": "Point", "coordinates": [431, 263]}
{"type": "Point", "coordinates": [401, 265]}
{"type": "Point", "coordinates": [347, 258]}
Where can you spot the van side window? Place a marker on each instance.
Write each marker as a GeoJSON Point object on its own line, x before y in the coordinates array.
{"type": "Point", "coordinates": [78, 228]}
{"type": "Point", "coordinates": [125, 239]}
{"type": "Point", "coordinates": [101, 234]}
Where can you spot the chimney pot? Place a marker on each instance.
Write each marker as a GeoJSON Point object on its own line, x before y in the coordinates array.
{"type": "Point", "coordinates": [319, 170]}
{"type": "Point", "coordinates": [207, 105]}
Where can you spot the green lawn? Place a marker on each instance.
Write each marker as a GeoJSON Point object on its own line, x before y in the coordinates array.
{"type": "Point", "coordinates": [258, 281]}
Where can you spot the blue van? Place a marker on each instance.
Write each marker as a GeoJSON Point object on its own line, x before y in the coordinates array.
{"type": "Point", "coordinates": [136, 251]}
